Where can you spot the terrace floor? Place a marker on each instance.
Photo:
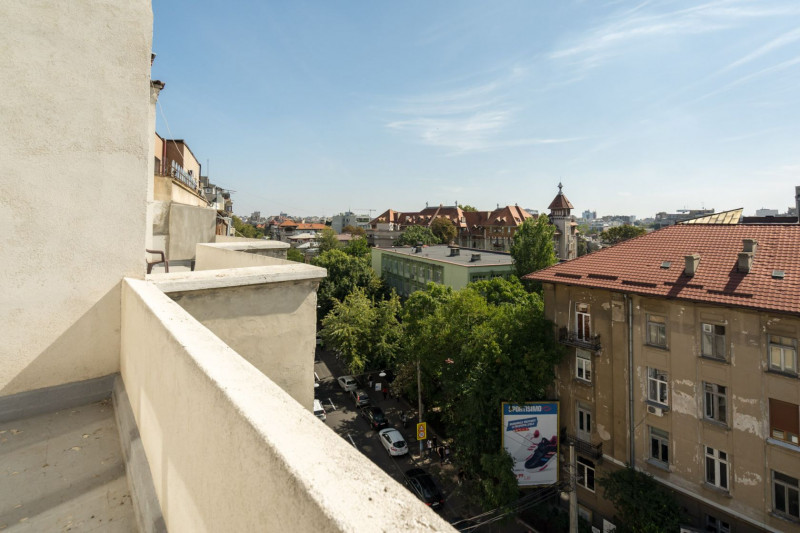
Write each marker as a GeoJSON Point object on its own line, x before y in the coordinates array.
{"type": "Point", "coordinates": [64, 471]}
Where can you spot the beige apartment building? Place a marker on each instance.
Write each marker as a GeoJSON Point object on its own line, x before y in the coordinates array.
{"type": "Point", "coordinates": [683, 362]}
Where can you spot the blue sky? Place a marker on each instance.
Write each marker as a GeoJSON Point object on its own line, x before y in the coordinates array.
{"type": "Point", "coordinates": [313, 108]}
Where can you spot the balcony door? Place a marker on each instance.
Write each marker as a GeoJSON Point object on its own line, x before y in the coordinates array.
{"type": "Point", "coordinates": [582, 322]}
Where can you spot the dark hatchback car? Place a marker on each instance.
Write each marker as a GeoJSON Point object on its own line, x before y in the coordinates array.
{"type": "Point", "coordinates": [423, 485]}
{"type": "Point", "coordinates": [376, 418]}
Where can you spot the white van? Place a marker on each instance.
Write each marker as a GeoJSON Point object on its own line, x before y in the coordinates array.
{"type": "Point", "coordinates": [319, 411]}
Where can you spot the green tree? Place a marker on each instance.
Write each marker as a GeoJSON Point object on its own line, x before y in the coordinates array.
{"type": "Point", "coordinates": [444, 229]}
{"type": "Point", "coordinates": [367, 334]}
{"type": "Point", "coordinates": [478, 347]}
{"type": "Point", "coordinates": [327, 240]}
{"type": "Point", "coordinates": [357, 247]}
{"type": "Point", "coordinates": [293, 254]}
{"type": "Point", "coordinates": [246, 230]}
{"type": "Point", "coordinates": [533, 247]}
{"type": "Point", "coordinates": [355, 231]}
{"type": "Point", "coordinates": [346, 273]}
{"type": "Point", "coordinates": [414, 234]}
{"type": "Point", "coordinates": [621, 233]}
{"type": "Point", "coordinates": [643, 504]}
{"type": "Point", "coordinates": [583, 247]}
{"type": "Point", "coordinates": [467, 208]}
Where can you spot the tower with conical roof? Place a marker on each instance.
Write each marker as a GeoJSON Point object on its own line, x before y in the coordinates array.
{"type": "Point", "coordinates": [566, 236]}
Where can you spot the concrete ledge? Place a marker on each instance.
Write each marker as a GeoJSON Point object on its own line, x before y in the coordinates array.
{"type": "Point", "coordinates": [236, 277]}
{"type": "Point", "coordinates": [47, 400]}
{"type": "Point", "coordinates": [143, 493]}
{"type": "Point", "coordinates": [250, 245]}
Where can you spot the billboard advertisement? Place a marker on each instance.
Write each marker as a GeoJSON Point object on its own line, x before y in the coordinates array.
{"type": "Point", "coordinates": [530, 436]}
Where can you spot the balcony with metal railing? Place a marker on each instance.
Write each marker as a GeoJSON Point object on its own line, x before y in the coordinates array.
{"type": "Point", "coordinates": [579, 340]}
{"type": "Point", "coordinates": [177, 172]}
{"type": "Point", "coordinates": [583, 447]}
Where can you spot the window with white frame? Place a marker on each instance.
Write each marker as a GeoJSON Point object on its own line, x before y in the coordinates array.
{"type": "Point", "coordinates": [716, 402]}
{"type": "Point", "coordinates": [716, 468]}
{"type": "Point", "coordinates": [583, 365]}
{"type": "Point", "coordinates": [783, 354]}
{"type": "Point", "coordinates": [586, 473]}
{"type": "Point", "coordinates": [584, 422]}
{"type": "Point", "coordinates": [786, 495]}
{"type": "Point", "coordinates": [583, 328]}
{"type": "Point", "coordinates": [712, 342]}
{"type": "Point", "coordinates": [657, 331]}
{"type": "Point", "coordinates": [659, 446]}
{"type": "Point", "coordinates": [657, 386]}
{"type": "Point", "coordinates": [715, 525]}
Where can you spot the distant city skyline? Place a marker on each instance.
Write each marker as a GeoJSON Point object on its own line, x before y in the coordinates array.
{"type": "Point", "coordinates": [313, 108]}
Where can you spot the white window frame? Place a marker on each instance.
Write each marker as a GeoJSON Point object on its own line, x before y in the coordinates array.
{"type": "Point", "coordinates": [583, 422]}
{"type": "Point", "coordinates": [712, 341]}
{"type": "Point", "coordinates": [583, 365]}
{"type": "Point", "coordinates": [791, 491]}
{"type": "Point", "coordinates": [657, 330]}
{"type": "Point", "coordinates": [717, 468]}
{"type": "Point", "coordinates": [586, 474]}
{"type": "Point", "coordinates": [715, 402]}
{"type": "Point", "coordinates": [714, 524]}
{"type": "Point", "coordinates": [583, 322]}
{"type": "Point", "coordinates": [782, 350]}
{"type": "Point", "coordinates": [657, 386]}
{"type": "Point", "coordinates": [660, 438]}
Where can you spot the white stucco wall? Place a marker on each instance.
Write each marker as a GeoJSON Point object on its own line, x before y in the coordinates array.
{"type": "Point", "coordinates": [188, 226]}
{"type": "Point", "coordinates": [74, 145]}
{"type": "Point", "coordinates": [239, 254]}
{"type": "Point", "coordinates": [230, 451]}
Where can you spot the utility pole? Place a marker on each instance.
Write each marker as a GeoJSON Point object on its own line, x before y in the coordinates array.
{"type": "Point", "coordinates": [419, 401]}
{"type": "Point", "coordinates": [573, 490]}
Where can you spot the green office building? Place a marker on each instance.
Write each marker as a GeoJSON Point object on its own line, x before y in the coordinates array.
{"type": "Point", "coordinates": [408, 269]}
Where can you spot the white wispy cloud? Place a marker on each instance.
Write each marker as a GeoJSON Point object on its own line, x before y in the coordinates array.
{"type": "Point", "coordinates": [624, 30]}
{"type": "Point", "coordinates": [779, 42]}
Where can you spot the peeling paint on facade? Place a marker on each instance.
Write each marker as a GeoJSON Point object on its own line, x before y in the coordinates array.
{"type": "Point", "coordinates": [601, 430]}
{"type": "Point", "coordinates": [749, 424]}
{"type": "Point", "coordinates": [683, 403]}
{"type": "Point", "coordinates": [748, 478]}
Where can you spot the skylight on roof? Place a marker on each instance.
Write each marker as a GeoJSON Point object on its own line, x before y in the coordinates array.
{"type": "Point", "coordinates": [778, 274]}
{"type": "Point", "coordinates": [666, 264]}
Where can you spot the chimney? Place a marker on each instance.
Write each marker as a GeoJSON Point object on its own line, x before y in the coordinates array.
{"type": "Point", "coordinates": [797, 201]}
{"type": "Point", "coordinates": [454, 251]}
{"type": "Point", "coordinates": [745, 262]}
{"type": "Point", "coordinates": [475, 257]}
{"type": "Point", "coordinates": [692, 262]}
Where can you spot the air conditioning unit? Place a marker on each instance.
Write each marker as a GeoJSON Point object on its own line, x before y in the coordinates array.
{"type": "Point", "coordinates": [653, 410]}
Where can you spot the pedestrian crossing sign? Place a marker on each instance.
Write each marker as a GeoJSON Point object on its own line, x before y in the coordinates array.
{"type": "Point", "coordinates": [422, 431]}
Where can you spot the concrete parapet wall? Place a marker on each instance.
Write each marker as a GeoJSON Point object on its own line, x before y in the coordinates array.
{"type": "Point", "coordinates": [267, 314]}
{"type": "Point", "coordinates": [188, 226]}
{"type": "Point", "coordinates": [241, 254]}
{"type": "Point", "coordinates": [230, 451]}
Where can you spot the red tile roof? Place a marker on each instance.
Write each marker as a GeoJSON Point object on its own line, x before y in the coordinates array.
{"type": "Point", "coordinates": [635, 266]}
{"type": "Point", "coordinates": [560, 202]}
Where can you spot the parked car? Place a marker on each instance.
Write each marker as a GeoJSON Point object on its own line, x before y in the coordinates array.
{"type": "Point", "coordinates": [319, 411]}
{"type": "Point", "coordinates": [423, 485]}
{"type": "Point", "coordinates": [393, 441]}
{"type": "Point", "coordinates": [348, 383]}
{"type": "Point", "coordinates": [375, 417]}
{"type": "Point", "coordinates": [360, 397]}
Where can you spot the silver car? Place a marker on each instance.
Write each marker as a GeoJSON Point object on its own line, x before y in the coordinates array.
{"type": "Point", "coordinates": [348, 383]}
{"type": "Point", "coordinates": [393, 441]}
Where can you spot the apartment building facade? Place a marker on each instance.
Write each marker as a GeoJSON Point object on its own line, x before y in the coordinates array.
{"type": "Point", "coordinates": [683, 363]}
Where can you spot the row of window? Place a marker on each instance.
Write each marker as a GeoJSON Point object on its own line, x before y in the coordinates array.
{"type": "Point", "coordinates": [781, 351]}
{"type": "Point", "coordinates": [421, 272]}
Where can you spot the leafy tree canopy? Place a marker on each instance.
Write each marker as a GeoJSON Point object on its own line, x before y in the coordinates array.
{"type": "Point", "coordinates": [346, 273]}
{"type": "Point", "coordinates": [467, 208]}
{"type": "Point", "coordinates": [414, 234]}
{"type": "Point", "coordinates": [444, 229]}
{"type": "Point", "coordinates": [644, 505]}
{"type": "Point", "coordinates": [353, 230]}
{"type": "Point", "coordinates": [621, 233]}
{"type": "Point", "coordinates": [246, 230]}
{"type": "Point", "coordinates": [533, 247]}
{"type": "Point", "coordinates": [478, 347]}
{"type": "Point", "coordinates": [327, 240]}
{"type": "Point", "coordinates": [293, 254]}
{"type": "Point", "coordinates": [357, 247]}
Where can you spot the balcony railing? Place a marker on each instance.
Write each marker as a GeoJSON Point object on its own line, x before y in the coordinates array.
{"type": "Point", "coordinates": [585, 448]}
{"type": "Point", "coordinates": [572, 338]}
{"type": "Point", "coordinates": [177, 172]}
